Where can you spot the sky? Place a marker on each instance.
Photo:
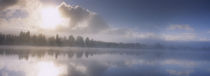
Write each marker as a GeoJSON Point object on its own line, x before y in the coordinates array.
{"type": "Point", "coordinates": [110, 20]}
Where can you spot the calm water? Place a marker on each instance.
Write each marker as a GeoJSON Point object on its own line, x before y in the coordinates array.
{"type": "Point", "coordinates": [65, 61]}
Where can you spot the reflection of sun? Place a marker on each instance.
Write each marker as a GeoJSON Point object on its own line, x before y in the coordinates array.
{"type": "Point", "coordinates": [48, 69]}
{"type": "Point", "coordinates": [50, 17]}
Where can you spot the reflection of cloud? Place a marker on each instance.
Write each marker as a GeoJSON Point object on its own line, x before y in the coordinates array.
{"type": "Point", "coordinates": [6, 72]}
{"type": "Point", "coordinates": [8, 68]}
{"type": "Point", "coordinates": [107, 62]}
{"type": "Point", "coordinates": [87, 68]}
{"type": "Point", "coordinates": [48, 68]}
{"type": "Point", "coordinates": [141, 62]}
{"type": "Point", "coordinates": [183, 63]}
{"type": "Point", "coordinates": [179, 73]}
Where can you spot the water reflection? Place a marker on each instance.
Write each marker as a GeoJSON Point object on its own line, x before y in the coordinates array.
{"type": "Point", "coordinates": [48, 68]}
{"type": "Point", "coordinates": [64, 61]}
{"type": "Point", "coordinates": [70, 52]}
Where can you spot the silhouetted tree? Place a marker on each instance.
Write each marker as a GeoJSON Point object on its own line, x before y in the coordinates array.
{"type": "Point", "coordinates": [87, 42]}
{"type": "Point", "coordinates": [52, 41]}
{"type": "Point", "coordinates": [80, 41]}
{"type": "Point", "coordinates": [91, 43]}
{"type": "Point", "coordinates": [71, 40]}
{"type": "Point", "coordinates": [64, 41]}
{"type": "Point", "coordinates": [41, 39]}
{"type": "Point", "coordinates": [25, 38]}
{"type": "Point", "coordinates": [2, 38]}
{"type": "Point", "coordinates": [9, 39]}
{"type": "Point", "coordinates": [58, 40]}
{"type": "Point", "coordinates": [34, 40]}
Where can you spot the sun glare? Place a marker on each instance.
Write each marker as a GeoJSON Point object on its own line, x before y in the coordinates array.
{"type": "Point", "coordinates": [50, 18]}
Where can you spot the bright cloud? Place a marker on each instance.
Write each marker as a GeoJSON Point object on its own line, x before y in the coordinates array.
{"type": "Point", "coordinates": [181, 36]}
{"type": "Point", "coordinates": [78, 20]}
{"type": "Point", "coordinates": [23, 15]}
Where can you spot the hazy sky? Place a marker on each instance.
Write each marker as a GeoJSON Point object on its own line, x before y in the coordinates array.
{"type": "Point", "coordinates": [112, 20]}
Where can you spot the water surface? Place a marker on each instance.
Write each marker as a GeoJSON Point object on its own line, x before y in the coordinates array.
{"type": "Point", "coordinates": [72, 61]}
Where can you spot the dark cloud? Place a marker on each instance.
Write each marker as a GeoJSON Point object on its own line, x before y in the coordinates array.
{"type": "Point", "coordinates": [6, 3]}
{"type": "Point", "coordinates": [51, 2]}
{"type": "Point", "coordinates": [96, 24]}
{"type": "Point", "coordinates": [9, 14]}
{"type": "Point", "coordinates": [77, 15]}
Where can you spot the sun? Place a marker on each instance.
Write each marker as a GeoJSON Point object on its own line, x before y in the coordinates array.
{"type": "Point", "coordinates": [50, 17]}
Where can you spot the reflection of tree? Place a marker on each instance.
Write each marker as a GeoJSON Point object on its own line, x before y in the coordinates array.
{"type": "Point", "coordinates": [25, 38]}
{"type": "Point", "coordinates": [42, 52]}
{"type": "Point", "coordinates": [79, 54]}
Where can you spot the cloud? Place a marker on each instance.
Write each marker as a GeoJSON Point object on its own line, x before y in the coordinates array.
{"type": "Point", "coordinates": [12, 9]}
{"type": "Point", "coordinates": [23, 15]}
{"type": "Point", "coordinates": [75, 13]}
{"type": "Point", "coordinates": [208, 32]}
{"type": "Point", "coordinates": [204, 39]}
{"type": "Point", "coordinates": [119, 34]}
{"type": "Point", "coordinates": [129, 35]}
{"type": "Point", "coordinates": [144, 35]}
{"type": "Point", "coordinates": [7, 3]}
{"type": "Point", "coordinates": [96, 24]}
{"type": "Point", "coordinates": [179, 37]}
{"type": "Point", "coordinates": [180, 27]}
{"type": "Point", "coordinates": [82, 19]}
{"type": "Point", "coordinates": [20, 16]}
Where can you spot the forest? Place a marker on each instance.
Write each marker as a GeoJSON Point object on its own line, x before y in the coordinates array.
{"type": "Point", "coordinates": [25, 38]}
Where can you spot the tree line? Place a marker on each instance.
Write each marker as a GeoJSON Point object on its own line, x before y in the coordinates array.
{"type": "Point", "coordinates": [25, 38]}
